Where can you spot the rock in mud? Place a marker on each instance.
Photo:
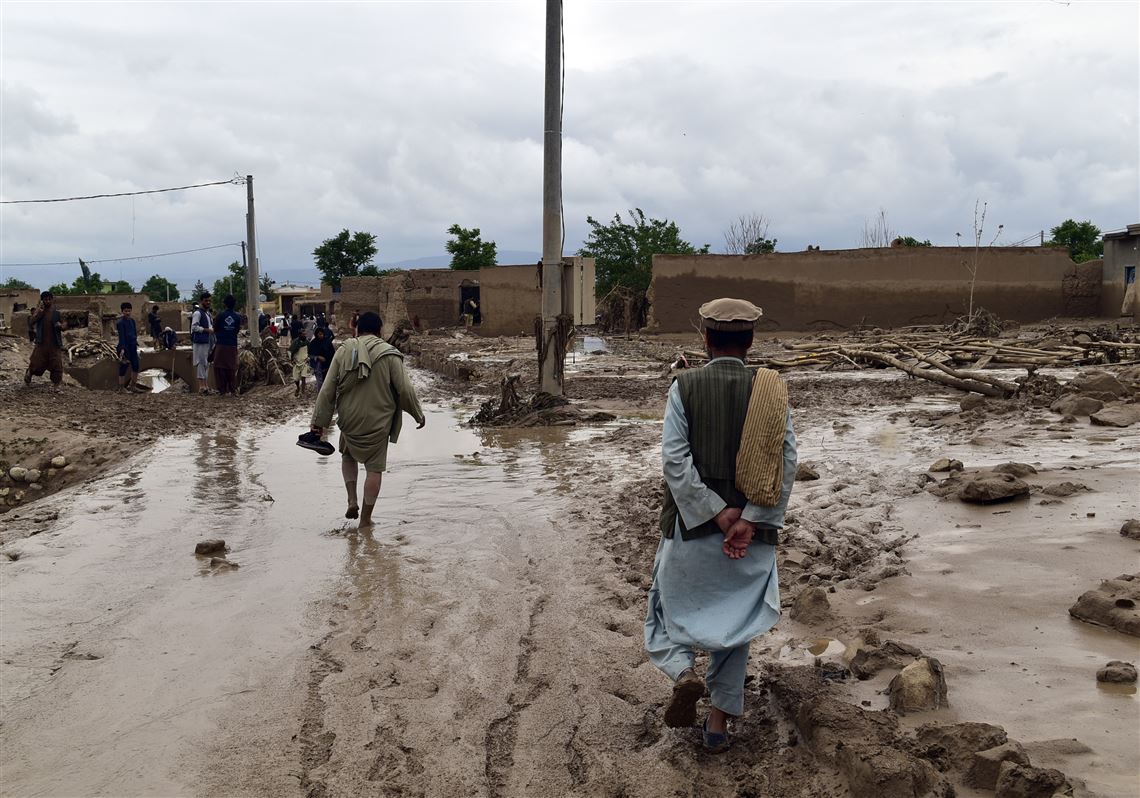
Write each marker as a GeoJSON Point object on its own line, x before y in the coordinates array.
{"type": "Point", "coordinates": [32, 475]}
{"type": "Point", "coordinates": [223, 563]}
{"type": "Point", "coordinates": [805, 473]}
{"type": "Point", "coordinates": [1025, 781]}
{"type": "Point", "coordinates": [811, 606]}
{"type": "Point", "coordinates": [1131, 529]}
{"type": "Point", "coordinates": [901, 649]}
{"type": "Point", "coordinates": [952, 747]}
{"type": "Point", "coordinates": [1115, 604]}
{"type": "Point", "coordinates": [18, 473]}
{"type": "Point", "coordinates": [1117, 415]}
{"type": "Point", "coordinates": [985, 766]}
{"type": "Point", "coordinates": [1098, 384]}
{"type": "Point", "coordinates": [986, 488]}
{"type": "Point", "coordinates": [1117, 672]}
{"type": "Point", "coordinates": [972, 401]}
{"type": "Point", "coordinates": [212, 546]}
{"type": "Point", "coordinates": [1014, 469]}
{"type": "Point", "coordinates": [946, 464]}
{"type": "Point", "coordinates": [1066, 489]}
{"type": "Point", "coordinates": [1073, 405]}
{"type": "Point", "coordinates": [59, 461]}
{"type": "Point", "coordinates": [919, 686]}
{"type": "Point", "coordinates": [869, 661]}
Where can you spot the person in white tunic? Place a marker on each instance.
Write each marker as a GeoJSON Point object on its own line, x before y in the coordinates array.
{"type": "Point", "coordinates": [715, 586]}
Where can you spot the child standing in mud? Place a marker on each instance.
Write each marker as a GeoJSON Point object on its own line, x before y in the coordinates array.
{"type": "Point", "coordinates": [715, 586]}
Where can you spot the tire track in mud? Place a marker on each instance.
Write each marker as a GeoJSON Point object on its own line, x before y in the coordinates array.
{"type": "Point", "coordinates": [316, 741]}
{"type": "Point", "coordinates": [502, 733]}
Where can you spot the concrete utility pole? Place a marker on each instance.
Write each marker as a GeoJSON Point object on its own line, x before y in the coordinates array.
{"type": "Point", "coordinates": [252, 281]}
{"type": "Point", "coordinates": [549, 348]}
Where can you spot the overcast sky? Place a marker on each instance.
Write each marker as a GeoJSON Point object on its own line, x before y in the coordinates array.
{"type": "Point", "coordinates": [403, 118]}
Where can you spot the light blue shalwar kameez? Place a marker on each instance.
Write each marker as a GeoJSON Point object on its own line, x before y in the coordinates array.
{"type": "Point", "coordinates": [701, 599]}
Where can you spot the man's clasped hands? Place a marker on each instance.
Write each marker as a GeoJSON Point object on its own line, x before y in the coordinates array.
{"type": "Point", "coordinates": [737, 532]}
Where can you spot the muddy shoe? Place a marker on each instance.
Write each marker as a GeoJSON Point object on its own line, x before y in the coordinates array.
{"type": "Point", "coordinates": [311, 440]}
{"type": "Point", "coordinates": [714, 742]}
{"type": "Point", "coordinates": [682, 710]}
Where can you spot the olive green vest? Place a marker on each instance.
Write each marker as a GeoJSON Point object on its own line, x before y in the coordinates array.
{"type": "Point", "coordinates": [715, 399]}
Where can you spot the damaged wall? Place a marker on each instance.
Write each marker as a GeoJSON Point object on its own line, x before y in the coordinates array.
{"type": "Point", "coordinates": [888, 287]}
{"type": "Point", "coordinates": [509, 297]}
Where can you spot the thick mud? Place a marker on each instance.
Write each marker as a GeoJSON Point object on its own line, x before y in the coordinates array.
{"type": "Point", "coordinates": [485, 637]}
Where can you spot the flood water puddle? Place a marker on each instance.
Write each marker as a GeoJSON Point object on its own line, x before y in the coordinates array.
{"type": "Point", "coordinates": [122, 648]}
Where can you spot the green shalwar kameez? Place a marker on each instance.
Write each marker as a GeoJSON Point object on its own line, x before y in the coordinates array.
{"type": "Point", "coordinates": [368, 387]}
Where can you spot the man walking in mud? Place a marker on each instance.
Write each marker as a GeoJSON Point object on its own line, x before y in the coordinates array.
{"type": "Point", "coordinates": [715, 586]}
{"type": "Point", "coordinates": [369, 390]}
{"type": "Point", "coordinates": [46, 326]}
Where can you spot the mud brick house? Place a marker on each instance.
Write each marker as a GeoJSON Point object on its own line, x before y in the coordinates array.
{"type": "Point", "coordinates": [887, 287]}
{"type": "Point", "coordinates": [1121, 259]}
{"type": "Point", "coordinates": [509, 297]}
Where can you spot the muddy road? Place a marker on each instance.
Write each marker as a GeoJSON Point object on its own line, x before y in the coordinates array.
{"type": "Point", "coordinates": [485, 637]}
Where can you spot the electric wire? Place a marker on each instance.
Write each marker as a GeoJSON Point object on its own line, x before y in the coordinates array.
{"type": "Point", "coordinates": [234, 181]}
{"type": "Point", "coordinates": [122, 260]}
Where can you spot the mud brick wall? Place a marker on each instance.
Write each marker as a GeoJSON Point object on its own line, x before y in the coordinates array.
{"type": "Point", "coordinates": [888, 287]}
{"type": "Point", "coordinates": [429, 298]}
{"type": "Point", "coordinates": [1081, 288]}
{"type": "Point", "coordinates": [511, 298]}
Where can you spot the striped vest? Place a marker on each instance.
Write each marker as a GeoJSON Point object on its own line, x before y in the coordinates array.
{"type": "Point", "coordinates": [715, 399]}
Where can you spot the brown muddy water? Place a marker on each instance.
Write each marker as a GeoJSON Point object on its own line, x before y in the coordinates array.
{"type": "Point", "coordinates": [123, 651]}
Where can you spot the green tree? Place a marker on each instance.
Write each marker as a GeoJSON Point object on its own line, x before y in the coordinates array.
{"type": "Point", "coordinates": [93, 284]}
{"type": "Point", "coordinates": [159, 289]}
{"type": "Point", "coordinates": [910, 241]}
{"type": "Point", "coordinates": [1082, 238]}
{"type": "Point", "coordinates": [760, 246]}
{"type": "Point", "coordinates": [468, 251]}
{"type": "Point", "coordinates": [118, 287]}
{"type": "Point", "coordinates": [15, 284]}
{"type": "Point", "coordinates": [624, 251]}
{"type": "Point", "coordinates": [375, 271]}
{"type": "Point", "coordinates": [60, 289]}
{"type": "Point", "coordinates": [234, 283]}
{"type": "Point", "coordinates": [344, 255]}
{"type": "Point", "coordinates": [199, 289]}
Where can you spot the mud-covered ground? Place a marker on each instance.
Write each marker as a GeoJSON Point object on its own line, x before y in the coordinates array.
{"type": "Point", "coordinates": [485, 638]}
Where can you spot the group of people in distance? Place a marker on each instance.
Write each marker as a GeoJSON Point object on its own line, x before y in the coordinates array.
{"type": "Point", "coordinates": [213, 342]}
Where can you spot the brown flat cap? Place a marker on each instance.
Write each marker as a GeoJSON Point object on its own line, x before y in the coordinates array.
{"type": "Point", "coordinates": [730, 315]}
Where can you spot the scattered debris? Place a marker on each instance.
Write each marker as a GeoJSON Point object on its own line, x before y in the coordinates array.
{"type": "Point", "coordinates": [946, 464]}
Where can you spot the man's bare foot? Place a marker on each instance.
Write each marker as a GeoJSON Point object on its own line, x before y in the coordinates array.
{"type": "Point", "coordinates": [352, 512]}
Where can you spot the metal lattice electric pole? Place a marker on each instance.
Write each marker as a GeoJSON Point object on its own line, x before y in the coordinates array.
{"type": "Point", "coordinates": [252, 279]}
{"type": "Point", "coordinates": [549, 347]}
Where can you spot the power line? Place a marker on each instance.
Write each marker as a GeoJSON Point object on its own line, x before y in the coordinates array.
{"type": "Point", "coordinates": [121, 260]}
{"type": "Point", "coordinates": [235, 181]}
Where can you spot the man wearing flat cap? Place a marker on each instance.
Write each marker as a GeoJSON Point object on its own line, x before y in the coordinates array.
{"type": "Point", "coordinates": [729, 458]}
